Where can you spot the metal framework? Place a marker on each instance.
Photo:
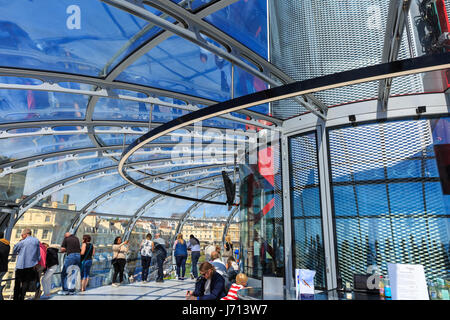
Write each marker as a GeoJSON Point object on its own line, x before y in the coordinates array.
{"type": "Point", "coordinates": [150, 203]}
{"type": "Point", "coordinates": [396, 24]}
{"type": "Point", "coordinates": [377, 72]}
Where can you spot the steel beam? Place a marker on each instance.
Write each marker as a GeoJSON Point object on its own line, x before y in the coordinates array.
{"type": "Point", "coordinates": [29, 201]}
{"type": "Point", "coordinates": [150, 203]}
{"type": "Point", "coordinates": [396, 24]}
{"type": "Point", "coordinates": [227, 224]}
{"type": "Point", "coordinates": [196, 27]}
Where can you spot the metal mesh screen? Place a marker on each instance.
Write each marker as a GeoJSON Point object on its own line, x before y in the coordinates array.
{"type": "Point", "coordinates": [330, 37]}
{"type": "Point", "coordinates": [308, 251]}
{"type": "Point", "coordinates": [387, 198]}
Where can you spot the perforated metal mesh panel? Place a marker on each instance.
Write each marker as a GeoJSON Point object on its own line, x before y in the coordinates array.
{"type": "Point", "coordinates": [312, 38]}
{"type": "Point", "coordinates": [387, 198]}
{"type": "Point", "coordinates": [308, 250]}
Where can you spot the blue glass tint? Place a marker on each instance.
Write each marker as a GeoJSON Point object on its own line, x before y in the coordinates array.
{"type": "Point", "coordinates": [82, 193]}
{"type": "Point", "coordinates": [245, 83]}
{"type": "Point", "coordinates": [126, 203]}
{"type": "Point", "coordinates": [345, 201]}
{"type": "Point", "coordinates": [22, 147]}
{"type": "Point", "coordinates": [178, 65]}
{"type": "Point", "coordinates": [79, 37]}
{"type": "Point", "coordinates": [193, 5]}
{"type": "Point", "coordinates": [33, 105]}
{"type": "Point", "coordinates": [107, 109]}
{"type": "Point", "coordinates": [372, 199]}
{"type": "Point", "coordinates": [37, 178]}
{"type": "Point", "coordinates": [415, 223]}
{"type": "Point", "coordinates": [406, 198]}
{"type": "Point", "coordinates": [308, 250]}
{"type": "Point", "coordinates": [245, 21]}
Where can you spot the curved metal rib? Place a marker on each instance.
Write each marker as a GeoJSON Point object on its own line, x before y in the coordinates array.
{"type": "Point", "coordinates": [29, 201]}
{"type": "Point", "coordinates": [372, 73]}
{"type": "Point", "coordinates": [157, 198]}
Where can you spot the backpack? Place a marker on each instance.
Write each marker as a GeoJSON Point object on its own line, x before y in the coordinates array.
{"type": "Point", "coordinates": [161, 251]}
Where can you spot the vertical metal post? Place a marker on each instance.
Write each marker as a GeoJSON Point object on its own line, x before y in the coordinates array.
{"type": "Point", "coordinates": [326, 205]}
{"type": "Point", "coordinates": [288, 253]}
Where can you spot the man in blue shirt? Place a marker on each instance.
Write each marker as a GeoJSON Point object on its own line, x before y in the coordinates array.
{"type": "Point", "coordinates": [28, 256]}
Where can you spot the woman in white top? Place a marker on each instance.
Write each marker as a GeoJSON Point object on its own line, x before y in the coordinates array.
{"type": "Point", "coordinates": [146, 248]}
{"type": "Point", "coordinates": [120, 250]}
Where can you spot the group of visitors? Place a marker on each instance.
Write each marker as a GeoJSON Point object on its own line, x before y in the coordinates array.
{"type": "Point", "coordinates": [37, 262]}
{"type": "Point", "coordinates": [181, 248]}
{"type": "Point", "coordinates": [220, 278]}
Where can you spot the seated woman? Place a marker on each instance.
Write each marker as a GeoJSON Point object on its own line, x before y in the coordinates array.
{"type": "Point", "coordinates": [209, 286]}
{"type": "Point", "coordinates": [241, 282]}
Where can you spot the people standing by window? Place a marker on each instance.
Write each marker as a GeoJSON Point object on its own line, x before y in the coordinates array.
{"type": "Point", "coordinates": [146, 250]}
{"type": "Point", "coordinates": [194, 247]}
{"type": "Point", "coordinates": [210, 248]}
{"type": "Point", "coordinates": [228, 249]}
{"type": "Point", "coordinates": [28, 256]}
{"type": "Point", "coordinates": [180, 253]}
{"type": "Point", "coordinates": [51, 265]}
{"type": "Point", "coordinates": [40, 268]}
{"type": "Point", "coordinates": [87, 252]}
{"type": "Point", "coordinates": [120, 251]}
{"type": "Point", "coordinates": [70, 246]}
{"type": "Point", "coordinates": [161, 254]}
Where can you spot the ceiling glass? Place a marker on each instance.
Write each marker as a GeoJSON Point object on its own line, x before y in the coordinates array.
{"type": "Point", "coordinates": [22, 147]}
{"type": "Point", "coordinates": [245, 21]}
{"type": "Point", "coordinates": [81, 37]}
{"type": "Point", "coordinates": [180, 66]}
{"type": "Point", "coordinates": [33, 105]}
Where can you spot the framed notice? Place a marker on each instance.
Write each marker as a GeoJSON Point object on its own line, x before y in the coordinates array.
{"type": "Point", "coordinates": [407, 282]}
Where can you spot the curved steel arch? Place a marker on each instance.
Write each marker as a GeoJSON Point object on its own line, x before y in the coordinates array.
{"type": "Point", "coordinates": [213, 194]}
{"type": "Point", "coordinates": [73, 155]}
{"type": "Point", "coordinates": [87, 209]}
{"type": "Point", "coordinates": [372, 73]}
{"type": "Point", "coordinates": [227, 224]}
{"type": "Point", "coordinates": [29, 201]}
{"type": "Point", "coordinates": [186, 214]}
{"type": "Point", "coordinates": [196, 26]}
{"type": "Point", "coordinates": [150, 203]}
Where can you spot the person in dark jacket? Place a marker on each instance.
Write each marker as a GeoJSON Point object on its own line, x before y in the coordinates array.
{"type": "Point", "coordinates": [51, 266]}
{"type": "Point", "coordinates": [209, 286]}
{"type": "Point", "coordinates": [4, 252]}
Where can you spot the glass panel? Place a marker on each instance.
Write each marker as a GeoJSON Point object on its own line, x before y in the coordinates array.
{"type": "Point", "coordinates": [261, 215]}
{"type": "Point", "coordinates": [103, 231]}
{"type": "Point", "coordinates": [48, 225]}
{"type": "Point", "coordinates": [193, 5]}
{"type": "Point", "coordinates": [81, 193]}
{"type": "Point", "coordinates": [401, 214]}
{"type": "Point", "coordinates": [245, 21]}
{"type": "Point", "coordinates": [59, 35]}
{"type": "Point", "coordinates": [245, 83]}
{"type": "Point", "coordinates": [22, 147]}
{"type": "Point", "coordinates": [37, 178]}
{"type": "Point", "coordinates": [308, 250]}
{"type": "Point", "coordinates": [178, 65]}
{"type": "Point", "coordinates": [30, 105]}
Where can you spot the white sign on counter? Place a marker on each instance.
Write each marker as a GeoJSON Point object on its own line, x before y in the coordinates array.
{"type": "Point", "coordinates": [407, 282]}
